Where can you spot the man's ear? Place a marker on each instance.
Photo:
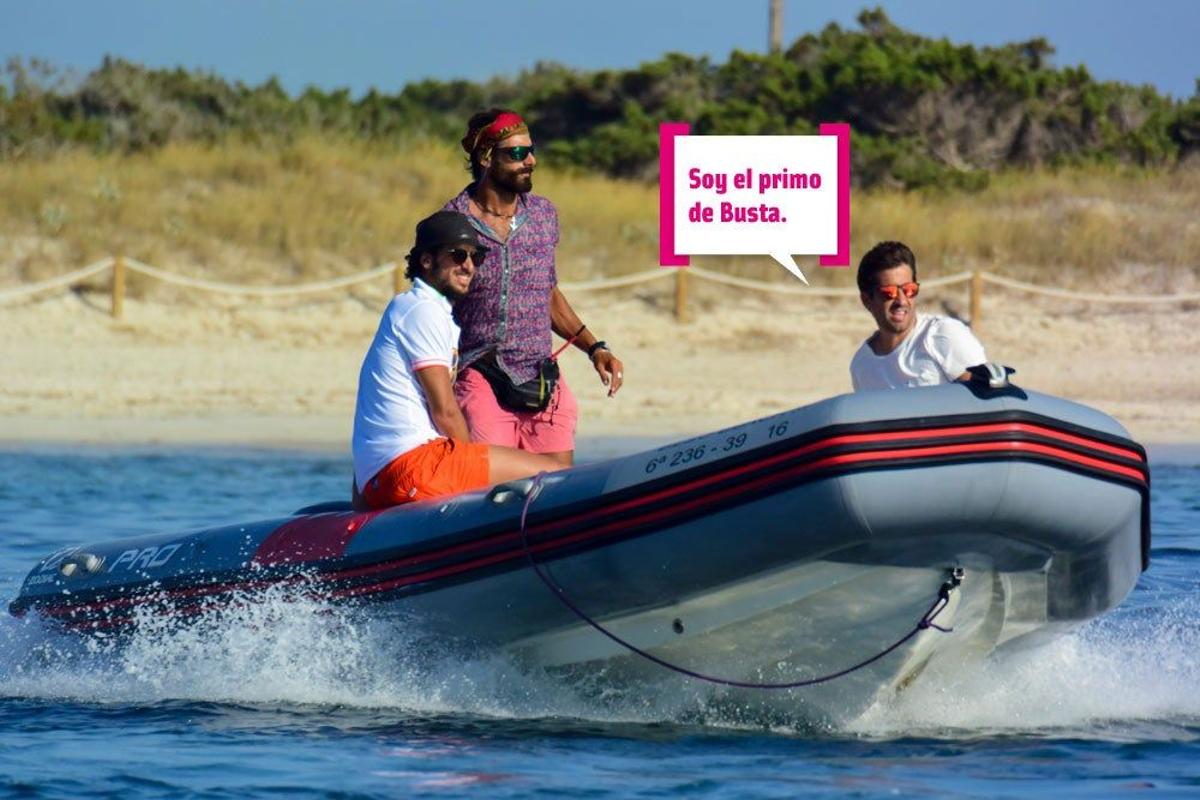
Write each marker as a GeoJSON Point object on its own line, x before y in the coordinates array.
{"type": "Point", "coordinates": [426, 260]}
{"type": "Point", "coordinates": [866, 301]}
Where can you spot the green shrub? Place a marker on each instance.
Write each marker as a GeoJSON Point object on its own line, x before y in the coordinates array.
{"type": "Point", "coordinates": [924, 112]}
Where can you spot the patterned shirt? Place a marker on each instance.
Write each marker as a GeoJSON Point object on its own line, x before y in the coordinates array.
{"type": "Point", "coordinates": [508, 307]}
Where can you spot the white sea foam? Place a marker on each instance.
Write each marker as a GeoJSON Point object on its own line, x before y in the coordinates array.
{"type": "Point", "coordinates": [273, 648]}
{"type": "Point", "coordinates": [1117, 676]}
{"type": "Point", "coordinates": [1120, 672]}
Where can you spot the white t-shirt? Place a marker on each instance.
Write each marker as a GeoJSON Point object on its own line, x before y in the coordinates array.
{"type": "Point", "coordinates": [936, 350]}
{"type": "Point", "coordinates": [391, 415]}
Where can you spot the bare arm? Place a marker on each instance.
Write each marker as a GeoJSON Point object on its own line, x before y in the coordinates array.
{"type": "Point", "coordinates": [443, 408]}
{"type": "Point", "coordinates": [565, 322]}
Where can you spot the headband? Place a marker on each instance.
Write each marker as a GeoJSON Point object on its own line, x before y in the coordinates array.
{"type": "Point", "coordinates": [485, 137]}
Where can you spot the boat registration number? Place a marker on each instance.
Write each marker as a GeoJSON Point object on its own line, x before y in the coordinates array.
{"type": "Point", "coordinates": [701, 449]}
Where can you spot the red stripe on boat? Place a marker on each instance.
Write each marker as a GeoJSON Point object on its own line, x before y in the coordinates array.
{"type": "Point", "coordinates": [656, 498]}
{"type": "Point", "coordinates": [982, 428]}
{"type": "Point", "coordinates": [323, 536]}
{"type": "Point", "coordinates": [881, 456]}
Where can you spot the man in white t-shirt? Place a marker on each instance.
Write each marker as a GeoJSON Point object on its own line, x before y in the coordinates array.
{"type": "Point", "coordinates": [908, 349]}
{"type": "Point", "coordinates": [410, 439]}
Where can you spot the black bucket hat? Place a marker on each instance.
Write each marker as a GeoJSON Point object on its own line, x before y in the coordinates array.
{"type": "Point", "coordinates": [446, 227]}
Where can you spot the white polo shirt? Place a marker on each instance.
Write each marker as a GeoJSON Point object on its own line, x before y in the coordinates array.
{"type": "Point", "coordinates": [936, 350]}
{"type": "Point", "coordinates": [391, 415]}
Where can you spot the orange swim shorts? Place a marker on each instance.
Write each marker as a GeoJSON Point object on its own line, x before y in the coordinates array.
{"type": "Point", "coordinates": [435, 469]}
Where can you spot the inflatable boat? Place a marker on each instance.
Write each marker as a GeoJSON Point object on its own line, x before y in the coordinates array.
{"type": "Point", "coordinates": [848, 544]}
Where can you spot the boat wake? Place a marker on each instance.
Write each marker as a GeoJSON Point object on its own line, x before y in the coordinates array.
{"type": "Point", "coordinates": [1129, 675]}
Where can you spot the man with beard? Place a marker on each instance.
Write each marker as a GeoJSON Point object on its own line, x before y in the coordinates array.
{"type": "Point", "coordinates": [509, 388]}
{"type": "Point", "coordinates": [907, 349]}
{"type": "Point", "coordinates": [410, 440]}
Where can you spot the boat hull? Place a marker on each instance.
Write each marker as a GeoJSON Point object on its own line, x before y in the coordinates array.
{"type": "Point", "coordinates": [780, 550]}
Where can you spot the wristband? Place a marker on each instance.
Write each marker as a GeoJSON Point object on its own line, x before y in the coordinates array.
{"type": "Point", "coordinates": [599, 345]}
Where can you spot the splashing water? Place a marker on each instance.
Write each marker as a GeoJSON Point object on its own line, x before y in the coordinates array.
{"type": "Point", "coordinates": [1124, 675]}
{"type": "Point", "coordinates": [273, 647]}
{"type": "Point", "coordinates": [1108, 679]}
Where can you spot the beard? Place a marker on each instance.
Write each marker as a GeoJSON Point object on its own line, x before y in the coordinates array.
{"type": "Point", "coordinates": [451, 291]}
{"type": "Point", "coordinates": [515, 182]}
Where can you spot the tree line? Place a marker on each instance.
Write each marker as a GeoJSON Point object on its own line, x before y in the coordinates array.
{"type": "Point", "coordinates": [924, 112]}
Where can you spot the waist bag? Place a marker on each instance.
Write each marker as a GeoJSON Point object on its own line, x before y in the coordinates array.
{"type": "Point", "coordinates": [530, 396]}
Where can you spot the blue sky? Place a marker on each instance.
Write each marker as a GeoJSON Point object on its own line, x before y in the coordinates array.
{"type": "Point", "coordinates": [363, 43]}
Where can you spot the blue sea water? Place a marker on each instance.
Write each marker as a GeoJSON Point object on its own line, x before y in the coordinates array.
{"type": "Point", "coordinates": [278, 702]}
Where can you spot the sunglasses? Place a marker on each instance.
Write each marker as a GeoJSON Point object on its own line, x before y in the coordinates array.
{"type": "Point", "coordinates": [892, 292]}
{"type": "Point", "coordinates": [518, 153]}
{"type": "Point", "coordinates": [459, 256]}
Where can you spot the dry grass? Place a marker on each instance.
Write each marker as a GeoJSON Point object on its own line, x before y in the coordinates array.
{"type": "Point", "coordinates": [316, 208]}
{"type": "Point", "coordinates": [1065, 228]}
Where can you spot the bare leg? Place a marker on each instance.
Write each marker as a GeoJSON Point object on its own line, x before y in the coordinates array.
{"type": "Point", "coordinates": [565, 458]}
{"type": "Point", "coordinates": [507, 464]}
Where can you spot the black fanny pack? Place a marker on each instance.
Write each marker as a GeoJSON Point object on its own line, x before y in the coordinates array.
{"type": "Point", "coordinates": [530, 396]}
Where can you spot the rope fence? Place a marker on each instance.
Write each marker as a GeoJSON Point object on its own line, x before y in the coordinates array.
{"type": "Point", "coordinates": [120, 266]}
{"type": "Point", "coordinates": [258, 291]}
{"type": "Point", "coordinates": [61, 282]}
{"type": "Point", "coordinates": [775, 288]}
{"type": "Point", "coordinates": [1090, 297]}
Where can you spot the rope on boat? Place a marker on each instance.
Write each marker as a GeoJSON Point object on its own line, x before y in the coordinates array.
{"type": "Point", "coordinates": [926, 622]}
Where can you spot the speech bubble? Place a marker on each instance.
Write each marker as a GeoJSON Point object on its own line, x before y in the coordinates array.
{"type": "Point", "coordinates": [755, 195]}
{"type": "Point", "coordinates": [788, 262]}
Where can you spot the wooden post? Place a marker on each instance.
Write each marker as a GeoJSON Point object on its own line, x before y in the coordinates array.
{"type": "Point", "coordinates": [118, 287]}
{"type": "Point", "coordinates": [976, 299]}
{"type": "Point", "coordinates": [398, 278]}
{"type": "Point", "coordinates": [681, 294]}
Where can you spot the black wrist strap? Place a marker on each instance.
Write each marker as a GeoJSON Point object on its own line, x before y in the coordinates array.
{"type": "Point", "coordinates": [598, 345]}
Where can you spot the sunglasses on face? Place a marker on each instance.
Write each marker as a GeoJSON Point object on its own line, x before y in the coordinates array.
{"type": "Point", "coordinates": [459, 256]}
{"type": "Point", "coordinates": [518, 153]}
{"type": "Point", "coordinates": [892, 292]}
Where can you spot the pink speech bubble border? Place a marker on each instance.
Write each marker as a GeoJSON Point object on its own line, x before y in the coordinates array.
{"type": "Point", "coordinates": [842, 131]}
{"type": "Point", "coordinates": [667, 131]}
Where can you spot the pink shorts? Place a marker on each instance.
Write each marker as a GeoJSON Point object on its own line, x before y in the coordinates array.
{"type": "Point", "coordinates": [549, 431]}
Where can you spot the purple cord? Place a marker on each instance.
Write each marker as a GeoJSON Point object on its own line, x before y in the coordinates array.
{"type": "Point", "coordinates": [926, 622]}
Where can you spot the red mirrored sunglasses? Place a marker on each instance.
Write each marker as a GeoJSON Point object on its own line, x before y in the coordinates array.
{"type": "Point", "coordinates": [892, 292]}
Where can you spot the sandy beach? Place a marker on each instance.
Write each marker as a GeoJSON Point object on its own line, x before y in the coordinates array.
{"type": "Point", "coordinates": [240, 373]}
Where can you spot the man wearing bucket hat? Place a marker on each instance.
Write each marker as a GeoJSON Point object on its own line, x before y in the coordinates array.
{"type": "Point", "coordinates": [410, 440]}
{"type": "Point", "coordinates": [510, 389]}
